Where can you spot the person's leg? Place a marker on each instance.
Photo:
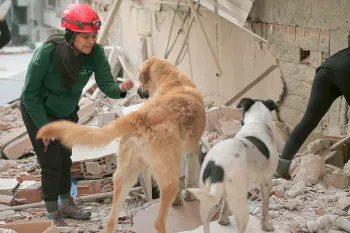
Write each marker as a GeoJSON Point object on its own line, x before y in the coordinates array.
{"type": "Point", "coordinates": [67, 205]}
{"type": "Point", "coordinates": [50, 163]}
{"type": "Point", "coordinates": [323, 94]}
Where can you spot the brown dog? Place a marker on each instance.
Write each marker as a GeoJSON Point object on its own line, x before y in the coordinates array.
{"type": "Point", "coordinates": [166, 126]}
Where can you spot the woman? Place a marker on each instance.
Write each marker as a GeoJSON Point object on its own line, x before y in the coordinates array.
{"type": "Point", "coordinates": [5, 32]}
{"type": "Point", "coordinates": [331, 81]}
{"type": "Point", "coordinates": [56, 76]}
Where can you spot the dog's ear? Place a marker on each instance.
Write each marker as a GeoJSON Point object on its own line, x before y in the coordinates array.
{"type": "Point", "coordinates": [270, 104]}
{"type": "Point", "coordinates": [144, 76]}
{"type": "Point", "coordinates": [245, 104]}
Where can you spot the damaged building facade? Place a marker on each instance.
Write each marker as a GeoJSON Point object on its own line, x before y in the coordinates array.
{"type": "Point", "coordinates": [300, 36]}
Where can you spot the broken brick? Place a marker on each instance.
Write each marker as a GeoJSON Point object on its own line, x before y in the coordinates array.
{"type": "Point", "coordinates": [6, 200]}
{"type": "Point", "coordinates": [31, 193]}
{"type": "Point", "coordinates": [319, 211]}
{"type": "Point", "coordinates": [88, 187]}
{"type": "Point", "coordinates": [278, 192]}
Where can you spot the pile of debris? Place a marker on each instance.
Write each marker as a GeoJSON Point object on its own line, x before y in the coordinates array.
{"type": "Point", "coordinates": [317, 199]}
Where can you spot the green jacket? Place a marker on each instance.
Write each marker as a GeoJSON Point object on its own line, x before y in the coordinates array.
{"type": "Point", "coordinates": [44, 94]}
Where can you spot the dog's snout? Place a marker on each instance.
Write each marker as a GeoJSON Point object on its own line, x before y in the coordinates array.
{"type": "Point", "coordinates": [143, 93]}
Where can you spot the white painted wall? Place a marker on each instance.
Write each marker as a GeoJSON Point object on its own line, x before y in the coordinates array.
{"type": "Point", "coordinates": [239, 54]}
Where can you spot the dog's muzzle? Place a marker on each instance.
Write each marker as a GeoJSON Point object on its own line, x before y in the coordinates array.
{"type": "Point", "coordinates": [142, 93]}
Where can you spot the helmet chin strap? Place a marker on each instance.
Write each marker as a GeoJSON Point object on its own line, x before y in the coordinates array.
{"type": "Point", "coordinates": [72, 38]}
{"type": "Point", "coordinates": [76, 52]}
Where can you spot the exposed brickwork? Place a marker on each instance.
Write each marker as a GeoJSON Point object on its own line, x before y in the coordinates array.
{"type": "Point", "coordinates": [285, 43]}
{"type": "Point", "coordinates": [319, 26]}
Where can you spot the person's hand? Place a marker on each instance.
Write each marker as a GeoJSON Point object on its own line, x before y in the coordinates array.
{"type": "Point", "coordinates": [1, 18]}
{"type": "Point", "coordinates": [126, 85]}
{"type": "Point", "coordinates": [46, 143]}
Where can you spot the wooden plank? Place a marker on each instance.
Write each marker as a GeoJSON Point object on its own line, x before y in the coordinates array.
{"type": "Point", "coordinates": [251, 85]}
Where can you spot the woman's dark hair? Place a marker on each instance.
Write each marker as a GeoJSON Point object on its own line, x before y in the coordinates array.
{"type": "Point", "coordinates": [67, 58]}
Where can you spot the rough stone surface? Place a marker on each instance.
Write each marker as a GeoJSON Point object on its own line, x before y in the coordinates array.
{"type": "Point", "coordinates": [311, 168]}
{"type": "Point", "coordinates": [318, 145]}
{"type": "Point", "coordinates": [347, 168]}
{"type": "Point", "coordinates": [336, 179]}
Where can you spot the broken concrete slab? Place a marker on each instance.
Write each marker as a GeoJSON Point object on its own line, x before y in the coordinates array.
{"type": "Point", "coordinates": [18, 147]}
{"type": "Point", "coordinates": [217, 113]}
{"type": "Point", "coordinates": [7, 186]}
{"type": "Point", "coordinates": [180, 218]}
{"type": "Point", "coordinates": [253, 227]}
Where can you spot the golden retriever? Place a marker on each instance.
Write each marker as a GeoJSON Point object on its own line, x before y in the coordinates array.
{"type": "Point", "coordinates": [167, 126]}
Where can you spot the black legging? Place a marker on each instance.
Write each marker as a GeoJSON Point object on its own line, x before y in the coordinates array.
{"type": "Point", "coordinates": [327, 86]}
{"type": "Point", "coordinates": [55, 164]}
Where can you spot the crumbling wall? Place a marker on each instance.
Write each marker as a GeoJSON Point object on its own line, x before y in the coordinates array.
{"type": "Point", "coordinates": [320, 27]}
{"type": "Point", "coordinates": [239, 55]}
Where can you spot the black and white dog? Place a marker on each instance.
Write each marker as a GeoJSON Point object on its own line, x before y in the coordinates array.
{"type": "Point", "coordinates": [237, 165]}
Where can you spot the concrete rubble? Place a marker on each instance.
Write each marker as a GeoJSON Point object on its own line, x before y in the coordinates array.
{"type": "Point", "coordinates": [318, 192]}
{"type": "Point", "coordinates": [317, 199]}
{"type": "Point", "coordinates": [20, 182]}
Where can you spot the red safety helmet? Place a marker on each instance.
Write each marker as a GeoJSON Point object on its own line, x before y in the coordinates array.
{"type": "Point", "coordinates": [80, 18]}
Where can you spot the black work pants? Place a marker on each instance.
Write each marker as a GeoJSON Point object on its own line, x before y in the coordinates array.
{"type": "Point", "coordinates": [55, 163]}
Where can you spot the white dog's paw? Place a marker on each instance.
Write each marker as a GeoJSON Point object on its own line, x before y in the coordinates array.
{"type": "Point", "coordinates": [267, 226]}
{"type": "Point", "coordinates": [188, 196]}
{"type": "Point", "coordinates": [224, 221]}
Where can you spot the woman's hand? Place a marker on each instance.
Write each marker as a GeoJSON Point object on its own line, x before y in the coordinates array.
{"type": "Point", "coordinates": [126, 85]}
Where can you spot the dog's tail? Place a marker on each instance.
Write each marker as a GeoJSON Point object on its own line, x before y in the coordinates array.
{"type": "Point", "coordinates": [212, 197]}
{"type": "Point", "coordinates": [70, 133]}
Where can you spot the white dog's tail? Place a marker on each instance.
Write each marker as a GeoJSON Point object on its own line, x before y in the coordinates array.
{"type": "Point", "coordinates": [212, 197]}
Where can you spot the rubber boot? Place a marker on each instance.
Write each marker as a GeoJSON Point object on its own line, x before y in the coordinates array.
{"type": "Point", "coordinates": [283, 169]}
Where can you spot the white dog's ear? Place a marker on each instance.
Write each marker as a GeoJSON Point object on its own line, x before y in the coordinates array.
{"type": "Point", "coordinates": [270, 104]}
{"type": "Point", "coordinates": [245, 104]}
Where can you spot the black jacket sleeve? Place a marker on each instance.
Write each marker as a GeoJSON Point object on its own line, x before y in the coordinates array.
{"type": "Point", "coordinates": [5, 34]}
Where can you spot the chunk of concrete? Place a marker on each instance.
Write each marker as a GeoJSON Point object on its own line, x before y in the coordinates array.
{"type": "Point", "coordinates": [297, 189]}
{"type": "Point", "coordinates": [311, 169]}
{"type": "Point", "coordinates": [318, 145]}
{"type": "Point", "coordinates": [336, 179]}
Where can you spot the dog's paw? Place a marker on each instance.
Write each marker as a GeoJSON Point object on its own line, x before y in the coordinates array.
{"type": "Point", "coordinates": [178, 201]}
{"type": "Point", "coordinates": [224, 221]}
{"type": "Point", "coordinates": [267, 226]}
{"type": "Point", "coordinates": [188, 196]}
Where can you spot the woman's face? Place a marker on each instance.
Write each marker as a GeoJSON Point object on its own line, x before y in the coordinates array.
{"type": "Point", "coordinates": [84, 41]}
